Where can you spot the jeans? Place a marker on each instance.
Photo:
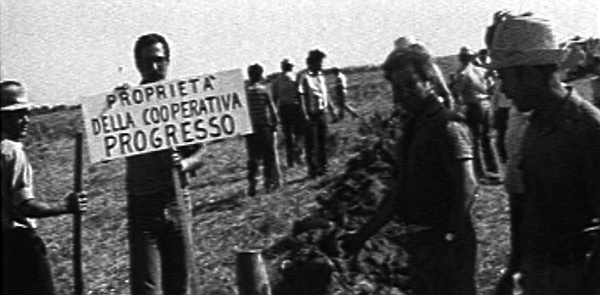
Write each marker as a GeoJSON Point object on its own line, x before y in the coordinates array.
{"type": "Point", "coordinates": [315, 144]}
{"type": "Point", "coordinates": [478, 120]}
{"type": "Point", "coordinates": [261, 146]}
{"type": "Point", "coordinates": [25, 267]}
{"type": "Point", "coordinates": [157, 244]}
{"type": "Point", "coordinates": [292, 123]}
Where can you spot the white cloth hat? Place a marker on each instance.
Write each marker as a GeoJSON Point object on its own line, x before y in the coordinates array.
{"type": "Point", "coordinates": [524, 40]}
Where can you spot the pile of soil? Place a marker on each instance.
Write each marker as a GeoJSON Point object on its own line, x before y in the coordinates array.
{"type": "Point", "coordinates": [310, 261]}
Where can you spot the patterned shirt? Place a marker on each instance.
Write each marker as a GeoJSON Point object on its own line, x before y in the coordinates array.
{"type": "Point", "coordinates": [17, 184]}
{"type": "Point", "coordinates": [259, 103]}
{"type": "Point", "coordinates": [314, 89]}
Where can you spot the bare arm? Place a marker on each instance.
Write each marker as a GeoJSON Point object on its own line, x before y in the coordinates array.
{"type": "Point", "coordinates": [72, 203]}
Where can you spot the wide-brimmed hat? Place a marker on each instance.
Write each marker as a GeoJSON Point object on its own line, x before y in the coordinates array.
{"type": "Point", "coordinates": [524, 40]}
{"type": "Point", "coordinates": [14, 98]}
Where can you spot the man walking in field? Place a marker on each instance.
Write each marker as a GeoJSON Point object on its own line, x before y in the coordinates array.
{"type": "Point", "coordinates": [340, 85]}
{"type": "Point", "coordinates": [436, 184]}
{"type": "Point", "coordinates": [315, 101]}
{"type": "Point", "coordinates": [25, 266]}
{"type": "Point", "coordinates": [560, 159]}
{"type": "Point", "coordinates": [157, 225]}
{"type": "Point", "coordinates": [471, 89]}
{"type": "Point", "coordinates": [285, 95]}
{"type": "Point", "coordinates": [261, 145]}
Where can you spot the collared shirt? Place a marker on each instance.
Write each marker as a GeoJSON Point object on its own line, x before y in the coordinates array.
{"type": "Point", "coordinates": [428, 149]}
{"type": "Point", "coordinates": [561, 172]}
{"type": "Point", "coordinates": [471, 84]}
{"type": "Point", "coordinates": [314, 89]}
{"type": "Point", "coordinates": [17, 184]}
{"type": "Point", "coordinates": [285, 89]}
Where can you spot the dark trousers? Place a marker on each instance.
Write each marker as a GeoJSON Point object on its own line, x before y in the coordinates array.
{"type": "Point", "coordinates": [292, 123]}
{"type": "Point", "coordinates": [157, 244]}
{"type": "Point", "coordinates": [315, 138]}
{"type": "Point", "coordinates": [261, 147]}
{"type": "Point", "coordinates": [478, 120]}
{"type": "Point", "coordinates": [439, 267]}
{"type": "Point", "coordinates": [501, 125]}
{"type": "Point", "coordinates": [25, 267]}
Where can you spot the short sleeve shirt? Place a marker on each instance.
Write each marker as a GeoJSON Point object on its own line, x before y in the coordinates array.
{"type": "Point", "coordinates": [428, 150]}
{"type": "Point", "coordinates": [314, 88]}
{"type": "Point", "coordinates": [285, 89]}
{"type": "Point", "coordinates": [17, 184]}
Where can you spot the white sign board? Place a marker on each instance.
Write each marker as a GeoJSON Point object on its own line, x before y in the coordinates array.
{"type": "Point", "coordinates": [165, 114]}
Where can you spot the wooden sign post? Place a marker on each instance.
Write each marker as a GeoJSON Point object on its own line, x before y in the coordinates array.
{"type": "Point", "coordinates": [77, 188]}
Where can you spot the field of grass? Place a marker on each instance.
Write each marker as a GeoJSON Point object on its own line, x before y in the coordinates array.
{"type": "Point", "coordinates": [223, 217]}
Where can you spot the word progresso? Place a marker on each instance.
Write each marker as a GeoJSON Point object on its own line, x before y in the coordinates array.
{"type": "Point", "coordinates": [169, 125]}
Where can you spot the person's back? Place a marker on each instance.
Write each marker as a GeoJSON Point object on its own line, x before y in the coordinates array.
{"type": "Point", "coordinates": [285, 90]}
{"type": "Point", "coordinates": [471, 84]}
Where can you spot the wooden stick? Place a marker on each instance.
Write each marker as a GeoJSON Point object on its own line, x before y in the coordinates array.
{"type": "Point", "coordinates": [77, 187]}
{"type": "Point", "coordinates": [181, 182]}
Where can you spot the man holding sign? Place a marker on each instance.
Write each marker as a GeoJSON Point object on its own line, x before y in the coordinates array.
{"type": "Point", "coordinates": [157, 223]}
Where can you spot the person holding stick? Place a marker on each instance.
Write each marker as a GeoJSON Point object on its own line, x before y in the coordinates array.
{"type": "Point", "coordinates": [26, 269]}
{"type": "Point", "coordinates": [159, 230]}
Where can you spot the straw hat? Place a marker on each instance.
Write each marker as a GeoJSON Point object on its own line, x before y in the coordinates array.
{"type": "Point", "coordinates": [13, 98]}
{"type": "Point", "coordinates": [524, 40]}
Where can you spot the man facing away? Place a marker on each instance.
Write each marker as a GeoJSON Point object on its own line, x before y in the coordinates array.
{"type": "Point", "coordinates": [340, 85]}
{"type": "Point", "coordinates": [285, 95]}
{"type": "Point", "coordinates": [26, 269]}
{"type": "Point", "coordinates": [262, 144]}
{"type": "Point", "coordinates": [157, 225]}
{"type": "Point", "coordinates": [436, 182]}
{"type": "Point", "coordinates": [560, 159]}
{"type": "Point", "coordinates": [315, 101]}
{"type": "Point", "coordinates": [471, 89]}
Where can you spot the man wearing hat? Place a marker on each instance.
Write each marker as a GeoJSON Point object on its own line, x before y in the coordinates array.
{"type": "Point", "coordinates": [315, 101]}
{"type": "Point", "coordinates": [560, 158]}
{"type": "Point", "coordinates": [471, 89]}
{"type": "Point", "coordinates": [25, 269]}
{"type": "Point", "coordinates": [285, 95]}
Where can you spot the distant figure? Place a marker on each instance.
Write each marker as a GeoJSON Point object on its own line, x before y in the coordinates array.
{"type": "Point", "coordinates": [595, 82]}
{"type": "Point", "coordinates": [436, 182]}
{"type": "Point", "coordinates": [573, 64]}
{"type": "Point", "coordinates": [26, 269]}
{"type": "Point", "coordinates": [315, 101]}
{"type": "Point", "coordinates": [340, 84]}
{"type": "Point", "coordinates": [560, 159]}
{"type": "Point", "coordinates": [157, 226]}
{"type": "Point", "coordinates": [500, 111]}
{"type": "Point", "coordinates": [285, 95]}
{"type": "Point", "coordinates": [471, 89]}
{"type": "Point", "coordinates": [261, 145]}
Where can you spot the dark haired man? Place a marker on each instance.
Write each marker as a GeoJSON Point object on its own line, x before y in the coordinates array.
{"type": "Point", "coordinates": [261, 145]}
{"type": "Point", "coordinates": [315, 101]}
{"type": "Point", "coordinates": [560, 159]}
{"type": "Point", "coordinates": [436, 185]}
{"type": "Point", "coordinates": [157, 225]}
{"type": "Point", "coordinates": [285, 96]}
{"type": "Point", "coordinates": [25, 267]}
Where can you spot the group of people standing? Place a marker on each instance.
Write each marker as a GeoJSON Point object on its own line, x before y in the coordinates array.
{"type": "Point", "coordinates": [301, 104]}
{"type": "Point", "coordinates": [554, 162]}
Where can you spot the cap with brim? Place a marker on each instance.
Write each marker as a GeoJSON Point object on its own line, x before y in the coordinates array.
{"type": "Point", "coordinates": [15, 103]}
{"type": "Point", "coordinates": [524, 40]}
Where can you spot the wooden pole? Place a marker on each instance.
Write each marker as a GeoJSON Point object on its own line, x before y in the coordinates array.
{"type": "Point", "coordinates": [77, 187]}
{"type": "Point", "coordinates": [251, 273]}
{"type": "Point", "coordinates": [184, 200]}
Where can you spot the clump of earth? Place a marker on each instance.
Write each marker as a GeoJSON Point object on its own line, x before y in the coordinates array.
{"type": "Point", "coordinates": [310, 261]}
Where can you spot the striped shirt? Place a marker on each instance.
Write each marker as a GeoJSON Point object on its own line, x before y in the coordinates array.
{"type": "Point", "coordinates": [258, 105]}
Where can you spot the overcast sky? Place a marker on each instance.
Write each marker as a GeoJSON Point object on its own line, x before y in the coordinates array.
{"type": "Point", "coordinates": [64, 49]}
